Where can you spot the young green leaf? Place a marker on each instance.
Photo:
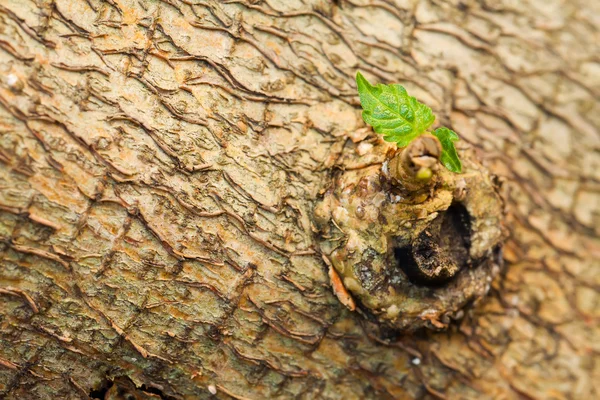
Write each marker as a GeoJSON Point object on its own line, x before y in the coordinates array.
{"type": "Point", "coordinates": [400, 118]}
{"type": "Point", "coordinates": [450, 159]}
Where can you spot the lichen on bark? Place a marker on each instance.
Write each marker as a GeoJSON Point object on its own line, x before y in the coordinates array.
{"type": "Point", "coordinates": [160, 161]}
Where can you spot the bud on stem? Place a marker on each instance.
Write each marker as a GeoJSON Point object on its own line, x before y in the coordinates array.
{"type": "Point", "coordinates": [414, 167]}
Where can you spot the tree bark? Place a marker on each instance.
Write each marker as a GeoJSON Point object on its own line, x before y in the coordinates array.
{"type": "Point", "coordinates": [159, 165]}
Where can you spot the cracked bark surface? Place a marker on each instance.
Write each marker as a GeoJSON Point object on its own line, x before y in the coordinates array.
{"type": "Point", "coordinates": [159, 161]}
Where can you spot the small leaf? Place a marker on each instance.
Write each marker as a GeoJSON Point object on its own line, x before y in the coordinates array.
{"type": "Point", "coordinates": [392, 112]}
{"type": "Point", "coordinates": [450, 158]}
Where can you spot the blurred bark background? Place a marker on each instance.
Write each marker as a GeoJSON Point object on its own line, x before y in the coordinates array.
{"type": "Point", "coordinates": [159, 160]}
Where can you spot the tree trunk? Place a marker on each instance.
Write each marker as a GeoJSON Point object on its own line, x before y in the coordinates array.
{"type": "Point", "coordinates": [160, 161]}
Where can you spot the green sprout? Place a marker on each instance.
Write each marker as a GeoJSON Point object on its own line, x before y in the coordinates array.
{"type": "Point", "coordinates": [400, 118]}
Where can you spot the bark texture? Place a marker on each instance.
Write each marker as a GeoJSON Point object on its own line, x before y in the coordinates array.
{"type": "Point", "coordinates": [159, 163]}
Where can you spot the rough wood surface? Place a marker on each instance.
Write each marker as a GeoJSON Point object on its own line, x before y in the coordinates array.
{"type": "Point", "coordinates": [159, 162]}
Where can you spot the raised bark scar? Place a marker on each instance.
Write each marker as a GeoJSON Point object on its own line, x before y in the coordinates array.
{"type": "Point", "coordinates": [412, 253]}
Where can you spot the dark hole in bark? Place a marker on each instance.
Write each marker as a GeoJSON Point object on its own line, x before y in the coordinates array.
{"type": "Point", "coordinates": [100, 393]}
{"type": "Point", "coordinates": [123, 388]}
{"type": "Point", "coordinates": [455, 233]}
{"type": "Point", "coordinates": [440, 251]}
